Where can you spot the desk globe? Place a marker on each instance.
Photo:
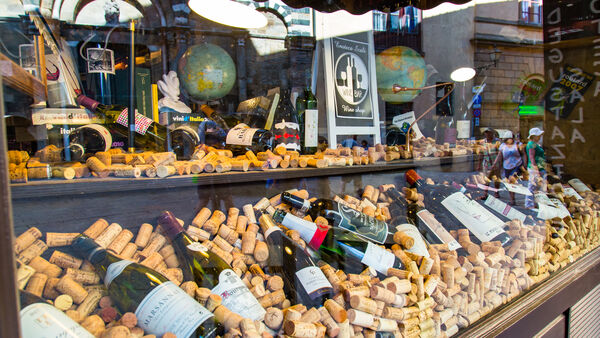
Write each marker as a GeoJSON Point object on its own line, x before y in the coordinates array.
{"type": "Point", "coordinates": [403, 66]}
{"type": "Point", "coordinates": [206, 72]}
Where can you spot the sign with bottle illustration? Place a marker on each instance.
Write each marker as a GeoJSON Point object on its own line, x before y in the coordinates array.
{"type": "Point", "coordinates": [363, 225]}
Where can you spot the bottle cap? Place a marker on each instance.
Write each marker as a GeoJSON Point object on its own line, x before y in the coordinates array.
{"type": "Point", "coordinates": [412, 177]}
{"type": "Point", "coordinates": [169, 224]}
{"type": "Point", "coordinates": [87, 102]}
{"type": "Point", "coordinates": [319, 236]}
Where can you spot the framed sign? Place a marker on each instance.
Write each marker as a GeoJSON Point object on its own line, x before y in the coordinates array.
{"type": "Point", "coordinates": [350, 81]}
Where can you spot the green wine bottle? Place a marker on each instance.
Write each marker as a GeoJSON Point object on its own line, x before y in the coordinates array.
{"type": "Point", "coordinates": [159, 304]}
{"type": "Point", "coordinates": [310, 123]}
{"type": "Point", "coordinates": [40, 319]}
{"type": "Point", "coordinates": [209, 270]}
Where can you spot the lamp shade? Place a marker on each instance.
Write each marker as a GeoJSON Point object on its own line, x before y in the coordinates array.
{"type": "Point", "coordinates": [363, 6]}
{"type": "Point", "coordinates": [462, 74]}
{"type": "Point", "coordinates": [227, 12]}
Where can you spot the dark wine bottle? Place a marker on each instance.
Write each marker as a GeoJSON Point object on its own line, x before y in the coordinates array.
{"type": "Point", "coordinates": [40, 319]}
{"type": "Point", "coordinates": [210, 271]}
{"type": "Point", "coordinates": [304, 282]}
{"type": "Point", "coordinates": [309, 125]}
{"type": "Point", "coordinates": [159, 304]}
{"type": "Point", "coordinates": [460, 211]}
{"type": "Point", "coordinates": [85, 141]}
{"type": "Point", "coordinates": [149, 135]}
{"type": "Point", "coordinates": [340, 247]}
{"type": "Point", "coordinates": [285, 125]}
{"type": "Point", "coordinates": [340, 215]}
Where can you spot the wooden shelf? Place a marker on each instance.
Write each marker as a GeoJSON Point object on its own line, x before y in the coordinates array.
{"type": "Point", "coordinates": [56, 187]}
{"type": "Point", "coordinates": [18, 78]}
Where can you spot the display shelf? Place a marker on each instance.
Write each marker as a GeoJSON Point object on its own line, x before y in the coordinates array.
{"type": "Point", "coordinates": [58, 187]}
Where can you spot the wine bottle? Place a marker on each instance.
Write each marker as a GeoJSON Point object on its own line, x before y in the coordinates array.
{"type": "Point", "coordinates": [149, 135]}
{"type": "Point", "coordinates": [225, 121]}
{"type": "Point", "coordinates": [340, 247]}
{"type": "Point", "coordinates": [40, 319]}
{"type": "Point", "coordinates": [159, 304]}
{"type": "Point", "coordinates": [285, 125]}
{"type": "Point", "coordinates": [85, 141]}
{"type": "Point", "coordinates": [460, 210]}
{"type": "Point", "coordinates": [304, 282]}
{"type": "Point", "coordinates": [340, 215]}
{"type": "Point", "coordinates": [309, 125]}
{"type": "Point", "coordinates": [209, 270]}
{"type": "Point", "coordinates": [425, 221]}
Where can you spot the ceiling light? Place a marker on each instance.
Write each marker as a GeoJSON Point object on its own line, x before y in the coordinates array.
{"type": "Point", "coordinates": [227, 12]}
{"type": "Point", "coordinates": [462, 74]}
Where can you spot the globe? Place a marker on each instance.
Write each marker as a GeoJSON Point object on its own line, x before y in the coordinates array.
{"type": "Point", "coordinates": [206, 72]}
{"type": "Point", "coordinates": [403, 66]}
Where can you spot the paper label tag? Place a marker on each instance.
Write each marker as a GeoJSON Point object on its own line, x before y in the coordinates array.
{"type": "Point", "coordinates": [378, 258]}
{"type": "Point", "coordinates": [305, 206]}
{"type": "Point", "coordinates": [313, 280]}
{"type": "Point", "coordinates": [236, 296]}
{"type": "Point", "coordinates": [100, 60]}
{"type": "Point", "coordinates": [517, 188]}
{"type": "Point", "coordinates": [44, 320]}
{"type": "Point", "coordinates": [115, 270]}
{"type": "Point", "coordinates": [311, 125]}
{"type": "Point", "coordinates": [504, 209]}
{"type": "Point", "coordinates": [578, 185]}
{"type": "Point", "coordinates": [306, 229]}
{"type": "Point", "coordinates": [570, 192]}
{"type": "Point", "coordinates": [486, 187]}
{"type": "Point", "coordinates": [482, 223]}
{"type": "Point", "coordinates": [419, 247]}
{"type": "Point", "coordinates": [241, 135]}
{"type": "Point", "coordinates": [550, 207]}
{"type": "Point", "coordinates": [362, 225]}
{"type": "Point", "coordinates": [437, 229]}
{"type": "Point", "coordinates": [142, 123]}
{"type": "Point", "coordinates": [167, 308]}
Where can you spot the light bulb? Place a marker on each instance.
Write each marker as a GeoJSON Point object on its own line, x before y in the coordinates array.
{"type": "Point", "coordinates": [230, 13]}
{"type": "Point", "coordinates": [462, 74]}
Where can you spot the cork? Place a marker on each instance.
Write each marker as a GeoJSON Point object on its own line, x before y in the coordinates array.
{"type": "Point", "coordinates": [90, 303]}
{"type": "Point", "coordinates": [54, 239]}
{"type": "Point", "coordinates": [128, 320]}
{"type": "Point", "coordinates": [150, 172]}
{"type": "Point", "coordinates": [35, 249]}
{"type": "Point", "coordinates": [241, 224]}
{"type": "Point", "coordinates": [108, 314]}
{"type": "Point", "coordinates": [360, 318]}
{"type": "Point", "coordinates": [156, 243]}
{"type": "Point", "coordinates": [45, 267]}
{"type": "Point", "coordinates": [403, 239]}
{"type": "Point", "coordinates": [311, 315]}
{"type": "Point", "coordinates": [382, 294]}
{"type": "Point", "coordinates": [108, 235]}
{"type": "Point", "coordinates": [27, 238]}
{"type": "Point", "coordinates": [94, 325]}
{"type": "Point", "coordinates": [248, 242]}
{"type": "Point", "coordinates": [230, 320]}
{"type": "Point", "coordinates": [213, 301]}
{"type": "Point", "coordinates": [397, 285]}
{"type": "Point", "coordinates": [65, 260]}
{"type": "Point", "coordinates": [228, 233]}
{"type": "Point", "coordinates": [297, 328]}
{"type": "Point", "coordinates": [363, 304]}
{"type": "Point", "coordinates": [152, 260]}
{"type": "Point", "coordinates": [337, 312]}
{"type": "Point", "coordinates": [261, 251]}
{"type": "Point", "coordinates": [275, 283]}
{"type": "Point", "coordinates": [448, 275]}
{"type": "Point", "coordinates": [83, 277]}
{"type": "Point", "coordinates": [96, 165]}
{"type": "Point", "coordinates": [163, 171]}
{"type": "Point", "coordinates": [426, 265]}
{"type": "Point", "coordinates": [361, 290]}
{"type": "Point", "coordinates": [201, 217]}
{"type": "Point", "coordinates": [272, 298]}
{"type": "Point", "coordinates": [120, 241]}
{"type": "Point", "coordinates": [118, 332]}
{"type": "Point", "coordinates": [189, 287]}
{"type": "Point", "coordinates": [128, 251]}
{"type": "Point", "coordinates": [214, 222]}
{"type": "Point", "coordinates": [248, 328]}
{"type": "Point", "coordinates": [315, 163]}
{"type": "Point", "coordinates": [273, 318]}
{"type": "Point", "coordinates": [36, 284]}
{"type": "Point", "coordinates": [50, 289]}
{"type": "Point", "coordinates": [197, 233]}
{"type": "Point", "coordinates": [249, 212]}
{"type": "Point", "coordinates": [70, 287]}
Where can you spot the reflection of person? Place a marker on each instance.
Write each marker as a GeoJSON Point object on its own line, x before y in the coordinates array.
{"type": "Point", "coordinates": [490, 151]}
{"type": "Point", "coordinates": [536, 166]}
{"type": "Point", "coordinates": [350, 142]}
{"type": "Point", "coordinates": [323, 144]}
{"type": "Point", "coordinates": [511, 157]}
{"type": "Point", "coordinates": [364, 144]}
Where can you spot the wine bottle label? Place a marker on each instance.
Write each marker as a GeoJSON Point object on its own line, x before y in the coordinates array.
{"type": "Point", "coordinates": [241, 135]}
{"type": "Point", "coordinates": [167, 308]}
{"type": "Point", "coordinates": [311, 124]}
{"type": "Point", "coordinates": [362, 225]}
{"type": "Point", "coordinates": [305, 228]}
{"type": "Point", "coordinates": [482, 223]}
{"type": "Point", "coordinates": [115, 270]}
{"type": "Point", "coordinates": [142, 123]}
{"type": "Point", "coordinates": [578, 185]}
{"type": "Point", "coordinates": [419, 247]}
{"type": "Point", "coordinates": [517, 188]}
{"type": "Point", "coordinates": [236, 296]}
{"type": "Point", "coordinates": [305, 206]}
{"type": "Point", "coordinates": [378, 258]}
{"type": "Point", "coordinates": [102, 131]}
{"type": "Point", "coordinates": [44, 320]}
{"type": "Point", "coordinates": [570, 192]}
{"type": "Point", "coordinates": [504, 209]}
{"type": "Point", "coordinates": [286, 133]}
{"type": "Point", "coordinates": [313, 280]}
{"type": "Point", "coordinates": [437, 229]}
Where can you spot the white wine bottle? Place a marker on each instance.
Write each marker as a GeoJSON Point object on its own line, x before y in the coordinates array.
{"type": "Point", "coordinates": [159, 304]}
{"type": "Point", "coordinates": [209, 270]}
{"type": "Point", "coordinates": [40, 319]}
